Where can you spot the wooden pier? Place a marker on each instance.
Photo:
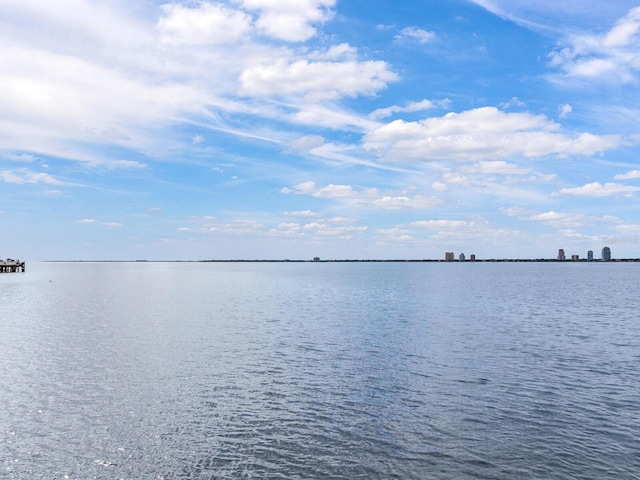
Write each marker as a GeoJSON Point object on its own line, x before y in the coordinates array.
{"type": "Point", "coordinates": [11, 266]}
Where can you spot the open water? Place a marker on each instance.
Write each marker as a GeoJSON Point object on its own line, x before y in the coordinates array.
{"type": "Point", "coordinates": [320, 371]}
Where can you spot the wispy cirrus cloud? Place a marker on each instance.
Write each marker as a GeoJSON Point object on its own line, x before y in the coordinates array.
{"type": "Point", "coordinates": [152, 73]}
{"type": "Point", "coordinates": [417, 34]}
{"type": "Point", "coordinates": [90, 221]}
{"type": "Point", "coordinates": [410, 107]}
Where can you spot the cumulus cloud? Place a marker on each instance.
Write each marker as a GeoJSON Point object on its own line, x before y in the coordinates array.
{"type": "Point", "coordinates": [630, 175]}
{"type": "Point", "coordinates": [317, 80]}
{"type": "Point", "coordinates": [559, 219]}
{"type": "Point", "coordinates": [205, 23]}
{"type": "Point", "coordinates": [597, 189]}
{"type": "Point", "coordinates": [564, 110]}
{"type": "Point", "coordinates": [290, 20]}
{"type": "Point", "coordinates": [25, 176]}
{"type": "Point", "coordinates": [611, 56]}
{"type": "Point", "coordinates": [481, 133]}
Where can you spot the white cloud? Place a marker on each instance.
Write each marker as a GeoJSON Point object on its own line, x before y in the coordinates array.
{"type": "Point", "coordinates": [23, 157]}
{"type": "Point", "coordinates": [516, 211]}
{"type": "Point", "coordinates": [422, 36]}
{"type": "Point", "coordinates": [479, 134]}
{"type": "Point", "coordinates": [179, 63]}
{"type": "Point", "coordinates": [316, 80]}
{"type": "Point", "coordinates": [105, 224]}
{"type": "Point", "coordinates": [290, 20]}
{"type": "Point", "coordinates": [439, 186]}
{"type": "Point", "coordinates": [304, 188]}
{"type": "Point", "coordinates": [397, 234]}
{"type": "Point", "coordinates": [442, 224]}
{"type": "Point", "coordinates": [336, 52]}
{"type": "Point", "coordinates": [499, 167]}
{"type": "Point", "coordinates": [549, 15]}
{"type": "Point", "coordinates": [630, 175]}
{"type": "Point", "coordinates": [233, 227]}
{"type": "Point", "coordinates": [558, 219]}
{"type": "Point", "coordinates": [610, 57]}
{"type": "Point", "coordinates": [597, 189]}
{"type": "Point", "coordinates": [567, 220]}
{"type": "Point", "coordinates": [514, 102]}
{"type": "Point", "coordinates": [328, 115]}
{"type": "Point", "coordinates": [411, 107]}
{"type": "Point", "coordinates": [335, 227]}
{"type": "Point", "coordinates": [285, 230]}
{"type": "Point", "coordinates": [370, 198]}
{"type": "Point", "coordinates": [206, 23]}
{"type": "Point", "coordinates": [335, 191]}
{"type": "Point", "coordinates": [302, 214]}
{"type": "Point", "coordinates": [25, 176]}
{"type": "Point", "coordinates": [417, 202]}
{"type": "Point", "coordinates": [306, 143]}
{"type": "Point", "coordinates": [564, 110]}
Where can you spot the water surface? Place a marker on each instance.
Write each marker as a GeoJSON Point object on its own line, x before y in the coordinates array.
{"type": "Point", "coordinates": [320, 371]}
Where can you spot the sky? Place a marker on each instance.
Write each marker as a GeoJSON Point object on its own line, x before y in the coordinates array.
{"type": "Point", "coordinates": [344, 129]}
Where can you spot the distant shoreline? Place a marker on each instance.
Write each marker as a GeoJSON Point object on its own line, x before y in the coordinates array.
{"type": "Point", "coordinates": [491, 260]}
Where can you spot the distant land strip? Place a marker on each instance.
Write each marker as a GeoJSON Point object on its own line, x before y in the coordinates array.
{"type": "Point", "coordinates": [490, 260]}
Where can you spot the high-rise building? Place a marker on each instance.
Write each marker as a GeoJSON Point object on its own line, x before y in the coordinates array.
{"type": "Point", "coordinates": [461, 257]}
{"type": "Point", "coordinates": [606, 254]}
{"type": "Point", "coordinates": [473, 257]}
{"type": "Point", "coordinates": [561, 257]}
{"type": "Point", "coordinates": [575, 258]}
{"type": "Point", "coordinates": [590, 255]}
{"type": "Point", "coordinates": [449, 256]}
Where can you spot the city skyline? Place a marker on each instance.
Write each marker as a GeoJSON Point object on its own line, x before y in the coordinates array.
{"type": "Point", "coordinates": [269, 129]}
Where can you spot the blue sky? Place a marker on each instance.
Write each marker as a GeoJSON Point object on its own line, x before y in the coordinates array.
{"type": "Point", "coordinates": [272, 129]}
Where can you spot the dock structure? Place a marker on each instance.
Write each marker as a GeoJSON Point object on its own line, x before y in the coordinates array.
{"type": "Point", "coordinates": [11, 266]}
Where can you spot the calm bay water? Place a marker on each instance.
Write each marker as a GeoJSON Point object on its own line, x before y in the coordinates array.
{"type": "Point", "coordinates": [320, 371]}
